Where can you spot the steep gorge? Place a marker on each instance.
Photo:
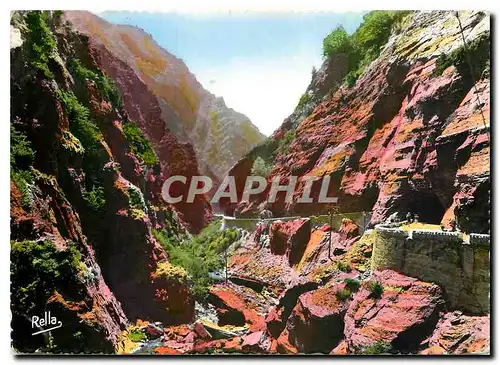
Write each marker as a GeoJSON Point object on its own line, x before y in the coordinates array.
{"type": "Point", "coordinates": [220, 135]}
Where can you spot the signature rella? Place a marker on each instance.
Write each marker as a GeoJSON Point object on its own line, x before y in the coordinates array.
{"type": "Point", "coordinates": [254, 185]}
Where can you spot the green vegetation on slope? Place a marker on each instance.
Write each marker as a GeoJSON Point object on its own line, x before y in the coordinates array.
{"type": "Point", "coordinates": [479, 57]}
{"type": "Point", "coordinates": [376, 348]}
{"type": "Point", "coordinates": [364, 45]}
{"type": "Point", "coordinates": [136, 336]}
{"type": "Point", "coordinates": [104, 84]}
{"type": "Point", "coordinates": [90, 137]}
{"type": "Point", "coordinates": [139, 145]}
{"type": "Point", "coordinates": [200, 255]}
{"type": "Point", "coordinates": [304, 99]}
{"type": "Point", "coordinates": [22, 156]}
{"type": "Point", "coordinates": [284, 143]}
{"type": "Point", "coordinates": [41, 43]}
{"type": "Point", "coordinates": [266, 152]}
{"type": "Point", "coordinates": [376, 289]}
{"type": "Point", "coordinates": [37, 269]}
{"type": "Point", "coordinates": [260, 168]}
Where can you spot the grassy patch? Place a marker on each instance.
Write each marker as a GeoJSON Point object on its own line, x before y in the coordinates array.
{"type": "Point", "coordinates": [376, 348]}
{"type": "Point", "coordinates": [137, 336]}
{"type": "Point", "coordinates": [398, 289]}
{"type": "Point", "coordinates": [199, 255]}
{"type": "Point", "coordinates": [343, 294]}
{"type": "Point", "coordinates": [352, 284]}
{"type": "Point", "coordinates": [343, 266]}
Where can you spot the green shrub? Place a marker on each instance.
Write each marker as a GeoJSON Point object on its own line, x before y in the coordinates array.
{"type": "Point", "coordinates": [136, 199]}
{"type": "Point", "coordinates": [260, 168]}
{"type": "Point", "coordinates": [139, 145]}
{"type": "Point", "coordinates": [364, 45]}
{"type": "Point", "coordinates": [57, 14]}
{"type": "Point", "coordinates": [265, 150]}
{"type": "Point", "coordinates": [338, 41]}
{"type": "Point", "coordinates": [304, 99]}
{"type": "Point", "coordinates": [40, 41]}
{"type": "Point", "coordinates": [79, 116]}
{"type": "Point", "coordinates": [376, 289]}
{"type": "Point", "coordinates": [95, 198]}
{"type": "Point", "coordinates": [343, 294]}
{"type": "Point", "coordinates": [343, 266]}
{"type": "Point", "coordinates": [36, 269]}
{"type": "Point", "coordinates": [22, 179]}
{"type": "Point", "coordinates": [169, 271]}
{"type": "Point", "coordinates": [352, 284]}
{"type": "Point", "coordinates": [284, 143]}
{"type": "Point", "coordinates": [104, 84]}
{"type": "Point", "coordinates": [137, 336]}
{"type": "Point", "coordinates": [22, 156]}
{"type": "Point", "coordinates": [376, 348]}
{"type": "Point", "coordinates": [200, 255]}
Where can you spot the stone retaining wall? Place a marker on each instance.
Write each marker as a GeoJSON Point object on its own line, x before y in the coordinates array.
{"type": "Point", "coordinates": [461, 268]}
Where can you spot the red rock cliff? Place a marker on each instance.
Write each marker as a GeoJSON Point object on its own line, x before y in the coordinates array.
{"type": "Point", "coordinates": [404, 138]}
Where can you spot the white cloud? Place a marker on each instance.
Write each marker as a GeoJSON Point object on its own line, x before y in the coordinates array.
{"type": "Point", "coordinates": [265, 90]}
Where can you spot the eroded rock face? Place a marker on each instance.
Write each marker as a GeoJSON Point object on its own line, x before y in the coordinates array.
{"type": "Point", "coordinates": [403, 139]}
{"type": "Point", "coordinates": [82, 302]}
{"type": "Point", "coordinates": [403, 315]}
{"type": "Point", "coordinates": [86, 198]}
{"type": "Point", "coordinates": [238, 305]}
{"type": "Point", "coordinates": [316, 322]}
{"type": "Point", "coordinates": [457, 333]}
{"type": "Point", "coordinates": [289, 238]}
{"type": "Point", "coordinates": [144, 109]}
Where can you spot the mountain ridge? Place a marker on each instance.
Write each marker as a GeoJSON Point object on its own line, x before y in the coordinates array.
{"type": "Point", "coordinates": [190, 111]}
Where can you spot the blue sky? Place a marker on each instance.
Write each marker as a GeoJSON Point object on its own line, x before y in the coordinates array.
{"type": "Point", "coordinates": [259, 62]}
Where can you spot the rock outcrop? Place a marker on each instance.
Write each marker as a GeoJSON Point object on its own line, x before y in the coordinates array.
{"type": "Point", "coordinates": [457, 333]}
{"type": "Point", "coordinates": [220, 135]}
{"type": "Point", "coordinates": [402, 315]}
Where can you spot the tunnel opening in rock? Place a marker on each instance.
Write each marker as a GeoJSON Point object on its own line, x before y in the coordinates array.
{"type": "Point", "coordinates": [427, 207]}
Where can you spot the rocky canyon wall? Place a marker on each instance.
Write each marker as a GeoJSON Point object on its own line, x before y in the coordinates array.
{"type": "Point", "coordinates": [411, 134]}
{"type": "Point", "coordinates": [219, 135]}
